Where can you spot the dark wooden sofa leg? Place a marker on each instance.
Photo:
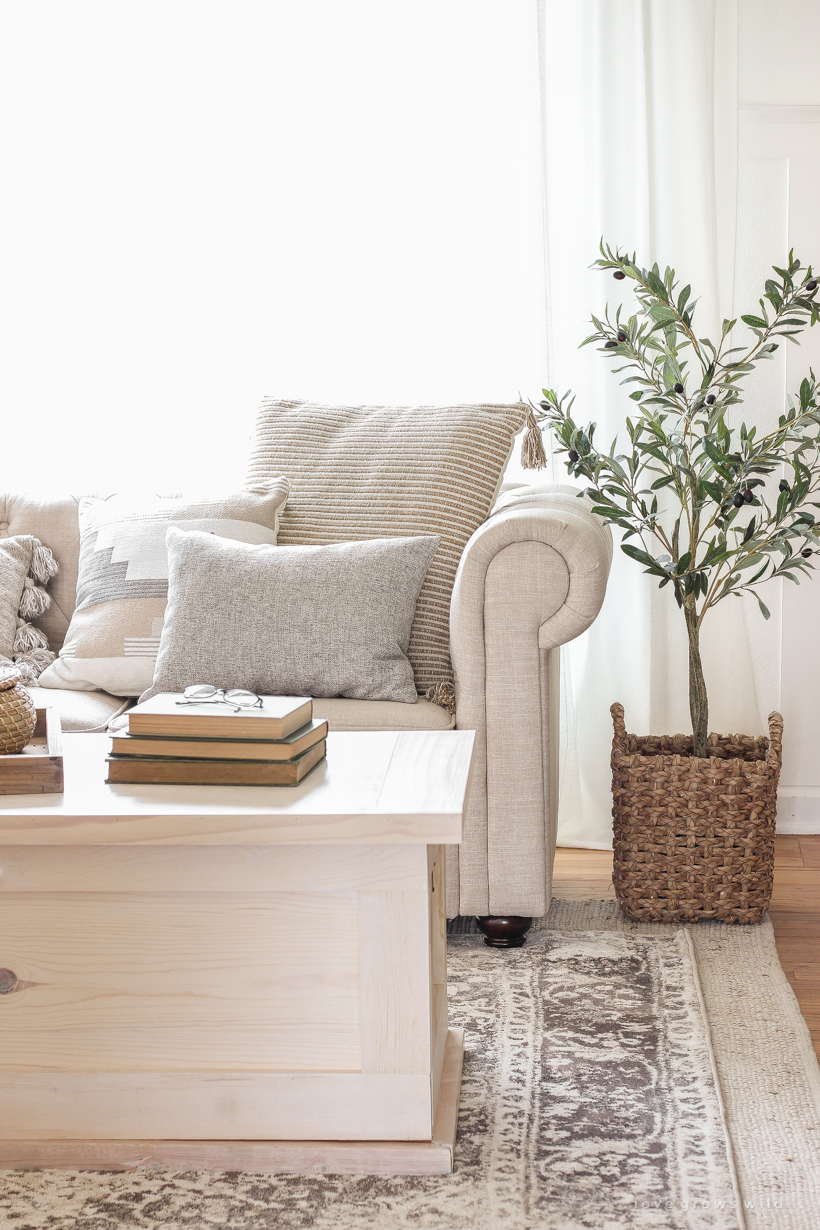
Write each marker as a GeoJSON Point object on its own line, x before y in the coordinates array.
{"type": "Point", "coordinates": [504, 930]}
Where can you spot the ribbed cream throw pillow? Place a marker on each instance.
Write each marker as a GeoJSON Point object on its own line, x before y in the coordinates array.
{"type": "Point", "coordinates": [390, 471]}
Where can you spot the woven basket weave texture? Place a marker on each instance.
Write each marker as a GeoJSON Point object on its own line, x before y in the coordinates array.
{"type": "Point", "coordinates": [18, 716]}
{"type": "Point", "coordinates": [693, 837]}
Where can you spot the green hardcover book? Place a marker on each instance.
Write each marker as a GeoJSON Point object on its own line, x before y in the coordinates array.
{"type": "Point", "coordinates": [155, 746]}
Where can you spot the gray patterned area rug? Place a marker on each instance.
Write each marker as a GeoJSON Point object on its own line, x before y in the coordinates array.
{"type": "Point", "coordinates": [592, 1099]}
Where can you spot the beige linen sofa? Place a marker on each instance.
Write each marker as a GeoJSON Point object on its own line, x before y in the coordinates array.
{"type": "Point", "coordinates": [531, 578]}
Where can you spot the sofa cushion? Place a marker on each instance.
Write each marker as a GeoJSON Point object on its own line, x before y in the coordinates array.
{"type": "Point", "coordinates": [83, 711]}
{"type": "Point", "coordinates": [291, 621]}
{"type": "Point", "coordinates": [343, 714]}
{"type": "Point", "coordinates": [377, 472]}
{"type": "Point", "coordinates": [111, 644]}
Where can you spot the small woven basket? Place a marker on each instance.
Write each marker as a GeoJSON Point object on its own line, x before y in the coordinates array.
{"type": "Point", "coordinates": [694, 836]}
{"type": "Point", "coordinates": [18, 716]}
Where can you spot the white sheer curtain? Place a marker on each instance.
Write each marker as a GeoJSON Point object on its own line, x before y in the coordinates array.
{"type": "Point", "coordinates": [640, 119]}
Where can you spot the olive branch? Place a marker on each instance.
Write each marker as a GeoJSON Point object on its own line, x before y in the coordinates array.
{"type": "Point", "coordinates": [682, 448]}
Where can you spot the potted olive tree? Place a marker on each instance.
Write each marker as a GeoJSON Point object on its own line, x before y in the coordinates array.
{"type": "Point", "coordinates": [713, 510]}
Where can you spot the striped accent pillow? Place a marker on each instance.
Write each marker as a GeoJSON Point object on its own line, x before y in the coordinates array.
{"type": "Point", "coordinates": [381, 472]}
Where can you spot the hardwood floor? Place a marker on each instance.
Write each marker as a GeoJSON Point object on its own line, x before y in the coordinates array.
{"type": "Point", "coordinates": [795, 909]}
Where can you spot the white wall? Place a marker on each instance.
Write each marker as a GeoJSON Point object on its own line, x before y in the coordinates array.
{"type": "Point", "coordinates": [779, 183]}
{"type": "Point", "coordinates": [778, 49]}
{"type": "Point", "coordinates": [205, 202]}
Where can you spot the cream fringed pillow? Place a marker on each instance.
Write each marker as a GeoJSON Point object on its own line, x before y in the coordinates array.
{"type": "Point", "coordinates": [390, 472]}
{"type": "Point", "coordinates": [122, 585]}
{"type": "Point", "coordinates": [26, 567]}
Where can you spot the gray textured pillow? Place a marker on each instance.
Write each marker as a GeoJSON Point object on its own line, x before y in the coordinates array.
{"type": "Point", "coordinates": [291, 621]}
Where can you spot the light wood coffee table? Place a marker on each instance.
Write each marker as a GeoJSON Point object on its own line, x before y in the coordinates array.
{"type": "Point", "coordinates": [241, 978]}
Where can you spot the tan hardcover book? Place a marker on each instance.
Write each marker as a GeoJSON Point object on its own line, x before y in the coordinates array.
{"type": "Point", "coordinates": [161, 715]}
{"type": "Point", "coordinates": [291, 746]}
{"type": "Point", "coordinates": [165, 771]}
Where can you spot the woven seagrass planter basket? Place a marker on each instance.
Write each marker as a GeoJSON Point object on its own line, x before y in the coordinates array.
{"type": "Point", "coordinates": [694, 836]}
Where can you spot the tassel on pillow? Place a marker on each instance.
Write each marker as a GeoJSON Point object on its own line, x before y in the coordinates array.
{"type": "Point", "coordinates": [27, 637]}
{"type": "Point", "coordinates": [34, 601]}
{"type": "Point", "coordinates": [36, 659]}
{"type": "Point", "coordinates": [444, 694]}
{"type": "Point", "coordinates": [31, 665]}
{"type": "Point", "coordinates": [43, 565]}
{"type": "Point", "coordinates": [533, 456]}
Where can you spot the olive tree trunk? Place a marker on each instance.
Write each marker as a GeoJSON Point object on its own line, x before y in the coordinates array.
{"type": "Point", "coordinates": [698, 703]}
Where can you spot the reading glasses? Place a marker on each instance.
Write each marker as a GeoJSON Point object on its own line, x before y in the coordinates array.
{"type": "Point", "coordinates": [207, 694]}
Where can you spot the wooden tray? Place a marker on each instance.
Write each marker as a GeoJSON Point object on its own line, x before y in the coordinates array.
{"type": "Point", "coordinates": [38, 769]}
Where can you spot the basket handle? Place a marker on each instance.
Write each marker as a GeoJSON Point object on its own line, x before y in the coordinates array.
{"type": "Point", "coordinates": [619, 741]}
{"type": "Point", "coordinates": [774, 755]}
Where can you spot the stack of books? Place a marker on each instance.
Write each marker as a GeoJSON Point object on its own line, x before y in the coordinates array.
{"type": "Point", "coordinates": [211, 744]}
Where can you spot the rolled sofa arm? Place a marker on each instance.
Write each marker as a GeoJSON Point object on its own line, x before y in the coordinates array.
{"type": "Point", "coordinates": [531, 578]}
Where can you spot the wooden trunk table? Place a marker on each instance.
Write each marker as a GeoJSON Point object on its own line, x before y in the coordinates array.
{"type": "Point", "coordinates": [236, 978]}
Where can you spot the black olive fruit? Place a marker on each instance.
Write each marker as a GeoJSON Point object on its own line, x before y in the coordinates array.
{"type": "Point", "coordinates": [784, 486]}
{"type": "Point", "coordinates": [544, 405]}
{"type": "Point", "coordinates": [748, 495]}
{"type": "Point", "coordinates": [678, 387]}
{"type": "Point", "coordinates": [573, 456]}
{"type": "Point", "coordinates": [610, 345]}
{"type": "Point", "coordinates": [812, 285]}
{"type": "Point", "coordinates": [710, 400]}
{"type": "Point", "coordinates": [621, 337]}
{"type": "Point", "coordinates": [808, 551]}
{"type": "Point", "coordinates": [618, 276]}
{"type": "Point", "coordinates": [737, 500]}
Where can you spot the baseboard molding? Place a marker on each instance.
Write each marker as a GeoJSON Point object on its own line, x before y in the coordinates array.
{"type": "Point", "coordinates": [569, 843]}
{"type": "Point", "coordinates": [798, 810]}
